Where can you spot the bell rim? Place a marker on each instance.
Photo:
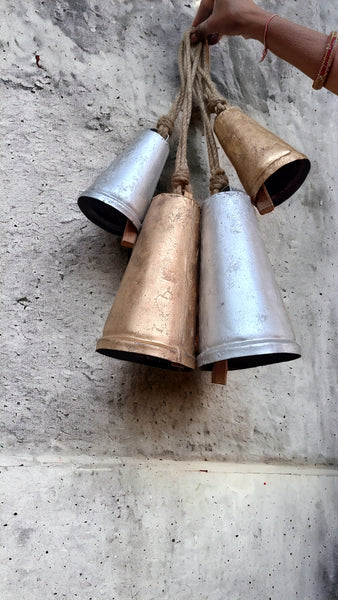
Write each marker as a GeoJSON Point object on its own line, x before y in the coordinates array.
{"type": "Point", "coordinates": [177, 359]}
{"type": "Point", "coordinates": [290, 155]}
{"type": "Point", "coordinates": [293, 185]}
{"type": "Point", "coordinates": [269, 347]}
{"type": "Point", "coordinates": [89, 205]}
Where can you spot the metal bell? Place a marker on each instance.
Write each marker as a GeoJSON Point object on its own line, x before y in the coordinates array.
{"type": "Point", "coordinates": [242, 315]}
{"type": "Point", "coordinates": [260, 158]}
{"type": "Point", "coordinates": [152, 320]}
{"type": "Point", "coordinates": [124, 190]}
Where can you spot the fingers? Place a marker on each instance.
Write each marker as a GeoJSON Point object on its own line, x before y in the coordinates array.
{"type": "Point", "coordinates": [203, 24]}
{"type": "Point", "coordinates": [198, 36]}
{"type": "Point", "coordinates": [204, 11]}
{"type": "Point", "coordinates": [205, 32]}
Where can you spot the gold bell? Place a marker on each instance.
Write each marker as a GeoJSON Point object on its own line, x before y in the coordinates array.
{"type": "Point", "coordinates": [153, 318]}
{"type": "Point", "coordinates": [269, 169]}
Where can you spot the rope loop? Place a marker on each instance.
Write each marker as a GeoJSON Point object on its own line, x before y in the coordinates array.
{"type": "Point", "coordinates": [180, 180]}
{"type": "Point", "coordinates": [215, 104]}
{"type": "Point", "coordinates": [210, 101]}
{"type": "Point", "coordinates": [218, 181]}
{"type": "Point", "coordinates": [194, 69]}
{"type": "Point", "coordinates": [165, 126]}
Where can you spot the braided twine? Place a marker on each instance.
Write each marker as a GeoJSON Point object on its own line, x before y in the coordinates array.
{"type": "Point", "coordinates": [209, 100]}
{"type": "Point", "coordinates": [194, 69]}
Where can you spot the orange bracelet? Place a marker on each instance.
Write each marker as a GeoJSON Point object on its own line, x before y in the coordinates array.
{"type": "Point", "coordinates": [327, 60]}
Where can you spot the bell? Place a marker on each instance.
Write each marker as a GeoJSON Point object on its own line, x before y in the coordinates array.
{"type": "Point", "coordinates": [242, 315]}
{"type": "Point", "coordinates": [152, 320]}
{"type": "Point", "coordinates": [124, 190]}
{"type": "Point", "coordinates": [260, 159]}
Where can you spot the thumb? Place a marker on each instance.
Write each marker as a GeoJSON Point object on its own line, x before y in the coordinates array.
{"type": "Point", "coordinates": [205, 32]}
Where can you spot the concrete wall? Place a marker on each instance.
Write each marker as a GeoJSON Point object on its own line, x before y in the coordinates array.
{"type": "Point", "coordinates": [120, 481]}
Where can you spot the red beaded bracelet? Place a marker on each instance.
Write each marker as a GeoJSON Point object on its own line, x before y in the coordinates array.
{"type": "Point", "coordinates": [327, 60]}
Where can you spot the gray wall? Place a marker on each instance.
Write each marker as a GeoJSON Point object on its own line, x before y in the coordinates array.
{"type": "Point", "coordinates": [106, 462]}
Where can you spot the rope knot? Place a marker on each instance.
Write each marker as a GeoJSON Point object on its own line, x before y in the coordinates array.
{"type": "Point", "coordinates": [216, 104]}
{"type": "Point", "coordinates": [180, 180]}
{"type": "Point", "coordinates": [218, 181]}
{"type": "Point", "coordinates": [165, 126]}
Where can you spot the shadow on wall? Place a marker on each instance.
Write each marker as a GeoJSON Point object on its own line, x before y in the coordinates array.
{"type": "Point", "coordinates": [166, 412]}
{"type": "Point", "coordinates": [329, 576]}
{"type": "Point", "coordinates": [154, 412]}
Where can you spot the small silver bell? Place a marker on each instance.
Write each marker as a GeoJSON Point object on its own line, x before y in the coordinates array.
{"type": "Point", "coordinates": [124, 190]}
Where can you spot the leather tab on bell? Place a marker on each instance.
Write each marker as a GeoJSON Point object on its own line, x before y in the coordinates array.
{"type": "Point", "coordinates": [188, 193]}
{"type": "Point", "coordinates": [219, 372]}
{"type": "Point", "coordinates": [263, 201]}
{"type": "Point", "coordinates": [129, 235]}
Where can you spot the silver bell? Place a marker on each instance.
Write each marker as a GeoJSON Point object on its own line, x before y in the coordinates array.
{"type": "Point", "coordinates": [242, 316]}
{"type": "Point", "coordinates": [124, 190]}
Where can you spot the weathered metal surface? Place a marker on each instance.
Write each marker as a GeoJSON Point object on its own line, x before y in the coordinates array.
{"type": "Point", "coordinates": [242, 317]}
{"type": "Point", "coordinates": [124, 190]}
{"type": "Point", "coordinates": [153, 318]}
{"type": "Point", "coordinates": [260, 157]}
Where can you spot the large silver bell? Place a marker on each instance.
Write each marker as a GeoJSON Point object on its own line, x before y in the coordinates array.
{"type": "Point", "coordinates": [124, 190]}
{"type": "Point", "coordinates": [242, 316]}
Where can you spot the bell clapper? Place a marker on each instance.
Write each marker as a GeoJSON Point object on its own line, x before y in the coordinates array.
{"type": "Point", "coordinates": [219, 372]}
{"type": "Point", "coordinates": [129, 235]}
{"type": "Point", "coordinates": [263, 201]}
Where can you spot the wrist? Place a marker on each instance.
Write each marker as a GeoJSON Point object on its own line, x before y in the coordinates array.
{"type": "Point", "coordinates": [254, 24]}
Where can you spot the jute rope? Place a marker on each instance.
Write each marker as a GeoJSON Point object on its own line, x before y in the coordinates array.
{"type": "Point", "coordinates": [188, 62]}
{"type": "Point", "coordinates": [190, 58]}
{"type": "Point", "coordinates": [203, 89]}
{"type": "Point", "coordinates": [215, 102]}
{"type": "Point", "coordinates": [166, 123]}
{"type": "Point", "coordinates": [194, 69]}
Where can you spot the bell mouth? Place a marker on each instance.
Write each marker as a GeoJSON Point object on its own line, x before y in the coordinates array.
{"type": "Point", "coordinates": [248, 362]}
{"type": "Point", "coordinates": [105, 216]}
{"type": "Point", "coordinates": [245, 354]}
{"type": "Point", "coordinates": [287, 179]}
{"type": "Point", "coordinates": [143, 359]}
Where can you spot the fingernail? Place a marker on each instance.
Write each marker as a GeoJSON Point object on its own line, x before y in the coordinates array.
{"type": "Point", "coordinates": [213, 38]}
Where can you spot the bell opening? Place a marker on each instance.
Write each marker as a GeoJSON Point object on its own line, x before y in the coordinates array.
{"type": "Point", "coordinates": [260, 360]}
{"type": "Point", "coordinates": [143, 359]}
{"type": "Point", "coordinates": [286, 180]}
{"type": "Point", "coordinates": [105, 216]}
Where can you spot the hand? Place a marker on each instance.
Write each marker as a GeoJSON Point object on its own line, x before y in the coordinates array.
{"type": "Point", "coordinates": [215, 18]}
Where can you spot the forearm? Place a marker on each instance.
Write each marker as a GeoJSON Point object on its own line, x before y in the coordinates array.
{"type": "Point", "coordinates": [301, 47]}
{"type": "Point", "coordinates": [298, 45]}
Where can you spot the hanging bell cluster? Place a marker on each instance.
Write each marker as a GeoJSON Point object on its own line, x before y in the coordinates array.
{"type": "Point", "coordinates": [241, 317]}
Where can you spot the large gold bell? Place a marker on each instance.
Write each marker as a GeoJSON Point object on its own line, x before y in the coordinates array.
{"type": "Point", "coordinates": [260, 157]}
{"type": "Point", "coordinates": [153, 318]}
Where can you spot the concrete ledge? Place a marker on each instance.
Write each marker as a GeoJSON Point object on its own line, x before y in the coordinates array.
{"type": "Point", "coordinates": [82, 461]}
{"type": "Point", "coordinates": [138, 528]}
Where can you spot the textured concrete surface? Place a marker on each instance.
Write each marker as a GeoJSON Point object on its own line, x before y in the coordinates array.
{"type": "Point", "coordinates": [159, 529]}
{"type": "Point", "coordinates": [108, 70]}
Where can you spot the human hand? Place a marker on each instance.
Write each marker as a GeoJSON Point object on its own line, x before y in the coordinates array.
{"type": "Point", "coordinates": [216, 18]}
